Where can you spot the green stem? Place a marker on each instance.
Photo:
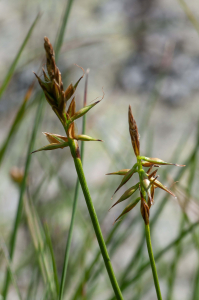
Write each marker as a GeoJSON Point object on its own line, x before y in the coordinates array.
{"type": "Point", "coordinates": [94, 219]}
{"type": "Point", "coordinates": [69, 240]}
{"type": "Point", "coordinates": [152, 261]}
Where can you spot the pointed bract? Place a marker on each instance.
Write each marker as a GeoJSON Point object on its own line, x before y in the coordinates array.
{"type": "Point", "coordinates": [83, 111]}
{"type": "Point", "coordinates": [159, 161]}
{"type": "Point", "coordinates": [127, 194]}
{"type": "Point", "coordinates": [161, 186]}
{"type": "Point", "coordinates": [128, 208]}
{"type": "Point", "coordinates": [52, 147]}
{"type": "Point", "coordinates": [127, 176]}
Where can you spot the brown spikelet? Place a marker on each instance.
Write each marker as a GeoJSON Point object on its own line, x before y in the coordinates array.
{"type": "Point", "coordinates": [134, 133]}
{"type": "Point", "coordinates": [53, 70]}
{"type": "Point", "coordinates": [144, 208]}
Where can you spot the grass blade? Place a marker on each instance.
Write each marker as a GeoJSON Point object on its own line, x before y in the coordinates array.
{"type": "Point", "coordinates": [9, 265]}
{"type": "Point", "coordinates": [15, 125]}
{"type": "Point", "coordinates": [39, 241]}
{"type": "Point", "coordinates": [48, 239]}
{"type": "Point", "coordinates": [22, 190]}
{"type": "Point", "coordinates": [63, 28]}
{"type": "Point", "coordinates": [13, 66]}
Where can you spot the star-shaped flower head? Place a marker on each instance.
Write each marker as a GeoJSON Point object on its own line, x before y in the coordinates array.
{"type": "Point", "coordinates": [147, 179]}
{"type": "Point", "coordinates": [57, 97]}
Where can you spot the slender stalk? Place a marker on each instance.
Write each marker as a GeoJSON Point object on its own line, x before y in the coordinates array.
{"type": "Point", "coordinates": [94, 219]}
{"type": "Point", "coordinates": [152, 261]}
{"type": "Point", "coordinates": [69, 240]}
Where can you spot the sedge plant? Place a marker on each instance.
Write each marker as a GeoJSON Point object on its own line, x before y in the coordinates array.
{"type": "Point", "coordinates": [58, 98]}
{"type": "Point", "coordinates": [146, 185]}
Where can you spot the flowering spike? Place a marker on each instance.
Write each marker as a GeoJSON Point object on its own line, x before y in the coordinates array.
{"type": "Point", "coordinates": [147, 180]}
{"type": "Point", "coordinates": [53, 71]}
{"type": "Point", "coordinates": [134, 133]}
{"type": "Point", "coordinates": [121, 172]}
{"type": "Point", "coordinates": [127, 194]}
{"type": "Point", "coordinates": [128, 208]}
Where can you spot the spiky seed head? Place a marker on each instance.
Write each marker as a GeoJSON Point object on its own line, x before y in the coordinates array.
{"type": "Point", "coordinates": [134, 133]}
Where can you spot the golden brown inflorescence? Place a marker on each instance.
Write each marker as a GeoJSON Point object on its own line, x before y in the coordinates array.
{"type": "Point", "coordinates": [147, 180]}
{"type": "Point", "coordinates": [57, 97]}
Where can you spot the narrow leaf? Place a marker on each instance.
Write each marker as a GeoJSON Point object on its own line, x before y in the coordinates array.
{"type": "Point", "coordinates": [13, 66]}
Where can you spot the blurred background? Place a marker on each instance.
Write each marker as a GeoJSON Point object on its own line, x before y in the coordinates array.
{"type": "Point", "coordinates": [143, 53]}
